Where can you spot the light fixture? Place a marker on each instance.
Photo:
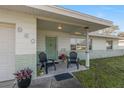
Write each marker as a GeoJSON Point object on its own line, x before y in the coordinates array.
{"type": "Point", "coordinates": [59, 26]}
{"type": "Point", "coordinates": [86, 27]}
{"type": "Point", "coordinates": [77, 33]}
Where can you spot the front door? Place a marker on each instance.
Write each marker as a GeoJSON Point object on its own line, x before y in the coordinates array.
{"type": "Point", "coordinates": [51, 47]}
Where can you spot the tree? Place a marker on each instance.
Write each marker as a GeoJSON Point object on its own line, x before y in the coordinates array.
{"type": "Point", "coordinates": [121, 34]}
{"type": "Point", "coordinates": [108, 31]}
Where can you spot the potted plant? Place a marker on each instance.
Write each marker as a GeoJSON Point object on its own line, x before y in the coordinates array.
{"type": "Point", "coordinates": [63, 57]}
{"type": "Point", "coordinates": [23, 77]}
{"type": "Point", "coordinates": [39, 71]}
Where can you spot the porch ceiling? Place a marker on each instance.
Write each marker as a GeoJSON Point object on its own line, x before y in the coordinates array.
{"type": "Point", "coordinates": [53, 26]}
{"type": "Point", "coordinates": [72, 21]}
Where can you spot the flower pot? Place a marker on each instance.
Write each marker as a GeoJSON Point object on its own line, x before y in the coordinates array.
{"type": "Point", "coordinates": [24, 83]}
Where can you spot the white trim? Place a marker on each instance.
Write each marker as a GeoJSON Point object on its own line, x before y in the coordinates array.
{"type": "Point", "coordinates": [35, 10]}
{"type": "Point", "coordinates": [106, 36]}
{"type": "Point", "coordinates": [87, 50]}
{"type": "Point", "coordinates": [70, 13]}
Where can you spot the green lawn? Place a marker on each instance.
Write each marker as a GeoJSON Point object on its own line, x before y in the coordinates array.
{"type": "Point", "coordinates": [103, 73]}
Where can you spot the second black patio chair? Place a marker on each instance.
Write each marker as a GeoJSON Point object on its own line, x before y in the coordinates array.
{"type": "Point", "coordinates": [45, 62]}
{"type": "Point", "coordinates": [73, 59]}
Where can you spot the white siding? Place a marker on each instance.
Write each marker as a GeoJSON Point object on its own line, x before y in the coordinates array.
{"type": "Point", "coordinates": [28, 24]}
{"type": "Point", "coordinates": [63, 39]}
{"type": "Point", "coordinates": [115, 44]}
{"type": "Point", "coordinates": [101, 54]}
{"type": "Point", "coordinates": [7, 53]}
{"type": "Point", "coordinates": [98, 43]}
{"type": "Point", "coordinates": [121, 47]}
{"type": "Point", "coordinates": [25, 51]}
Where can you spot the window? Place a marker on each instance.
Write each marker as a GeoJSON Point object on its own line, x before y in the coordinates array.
{"type": "Point", "coordinates": [79, 44]}
{"type": "Point", "coordinates": [73, 44]}
{"type": "Point", "coordinates": [109, 44]}
{"type": "Point", "coordinates": [90, 44]}
{"type": "Point", "coordinates": [121, 43]}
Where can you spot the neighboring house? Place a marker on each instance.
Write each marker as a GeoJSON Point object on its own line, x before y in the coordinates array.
{"type": "Point", "coordinates": [121, 34]}
{"type": "Point", "coordinates": [121, 43]}
{"type": "Point", "coordinates": [28, 30]}
{"type": "Point", "coordinates": [105, 46]}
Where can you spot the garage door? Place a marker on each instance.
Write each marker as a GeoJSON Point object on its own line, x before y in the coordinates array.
{"type": "Point", "coordinates": [7, 46]}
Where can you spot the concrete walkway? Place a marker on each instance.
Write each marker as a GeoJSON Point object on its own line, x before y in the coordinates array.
{"type": "Point", "coordinates": [50, 82]}
{"type": "Point", "coordinates": [47, 82]}
{"type": "Point", "coordinates": [7, 84]}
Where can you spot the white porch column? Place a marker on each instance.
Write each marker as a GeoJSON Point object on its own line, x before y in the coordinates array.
{"type": "Point", "coordinates": [87, 64]}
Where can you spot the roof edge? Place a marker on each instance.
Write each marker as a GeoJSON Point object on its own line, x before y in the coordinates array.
{"type": "Point", "coordinates": [79, 13]}
{"type": "Point", "coordinates": [72, 13]}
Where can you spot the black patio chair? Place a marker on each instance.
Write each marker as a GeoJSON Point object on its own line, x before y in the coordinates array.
{"type": "Point", "coordinates": [46, 62]}
{"type": "Point", "coordinates": [73, 59]}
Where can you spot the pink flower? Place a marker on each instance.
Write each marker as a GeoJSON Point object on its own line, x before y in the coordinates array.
{"type": "Point", "coordinates": [23, 74]}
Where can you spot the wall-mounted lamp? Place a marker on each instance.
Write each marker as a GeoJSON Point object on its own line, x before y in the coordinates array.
{"type": "Point", "coordinates": [86, 27]}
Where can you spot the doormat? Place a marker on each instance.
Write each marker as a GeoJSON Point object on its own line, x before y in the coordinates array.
{"type": "Point", "coordinates": [63, 76]}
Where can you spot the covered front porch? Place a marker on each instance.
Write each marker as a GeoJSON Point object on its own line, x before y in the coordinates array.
{"type": "Point", "coordinates": [54, 35]}
{"type": "Point", "coordinates": [54, 39]}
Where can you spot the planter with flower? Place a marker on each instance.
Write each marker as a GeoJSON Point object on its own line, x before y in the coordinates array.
{"type": "Point", "coordinates": [63, 57]}
{"type": "Point", "coordinates": [23, 77]}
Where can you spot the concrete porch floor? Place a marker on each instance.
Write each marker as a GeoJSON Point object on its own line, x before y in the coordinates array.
{"type": "Point", "coordinates": [61, 67]}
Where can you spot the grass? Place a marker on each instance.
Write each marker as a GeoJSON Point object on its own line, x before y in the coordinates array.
{"type": "Point", "coordinates": [103, 73]}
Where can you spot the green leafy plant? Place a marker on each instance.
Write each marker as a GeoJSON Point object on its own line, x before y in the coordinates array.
{"type": "Point", "coordinates": [39, 72]}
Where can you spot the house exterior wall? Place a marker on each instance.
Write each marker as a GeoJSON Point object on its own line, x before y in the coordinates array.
{"type": "Point", "coordinates": [63, 39]}
{"type": "Point", "coordinates": [104, 53]}
{"type": "Point", "coordinates": [121, 44]}
{"type": "Point", "coordinates": [98, 44]}
{"type": "Point", "coordinates": [99, 49]}
{"type": "Point", "coordinates": [121, 47]}
{"type": "Point", "coordinates": [115, 44]}
{"type": "Point", "coordinates": [25, 50]}
{"type": "Point", "coordinates": [101, 54]}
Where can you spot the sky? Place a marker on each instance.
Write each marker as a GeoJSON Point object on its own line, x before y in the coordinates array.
{"type": "Point", "coordinates": [113, 13]}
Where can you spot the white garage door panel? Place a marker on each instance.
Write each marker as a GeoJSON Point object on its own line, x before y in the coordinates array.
{"type": "Point", "coordinates": [7, 53]}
